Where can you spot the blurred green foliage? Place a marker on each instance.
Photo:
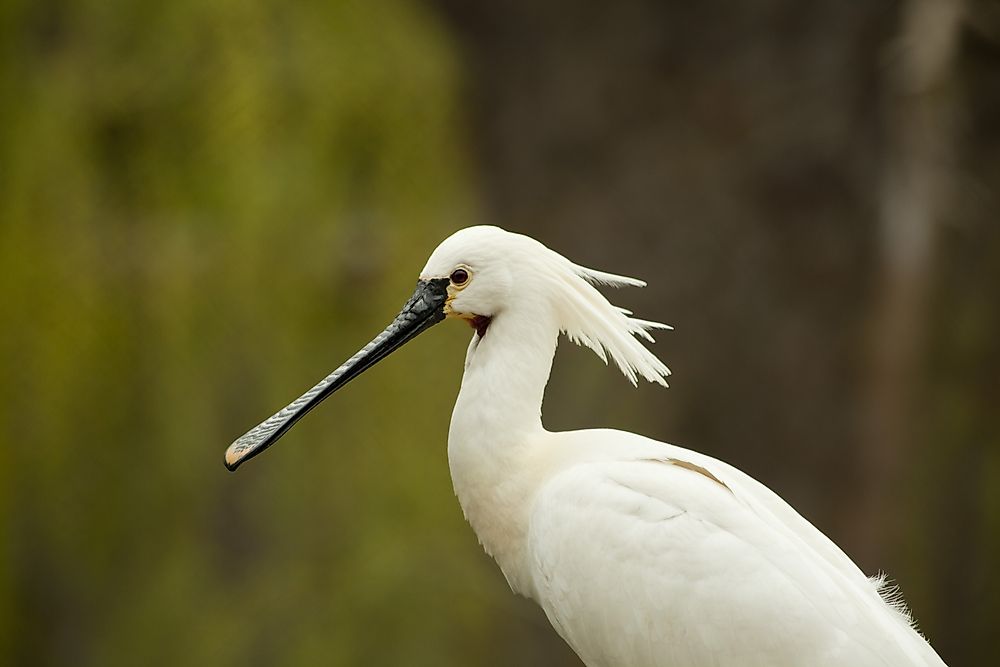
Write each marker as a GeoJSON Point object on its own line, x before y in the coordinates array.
{"type": "Point", "coordinates": [204, 207]}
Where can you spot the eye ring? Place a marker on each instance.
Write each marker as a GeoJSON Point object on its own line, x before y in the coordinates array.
{"type": "Point", "coordinates": [459, 277]}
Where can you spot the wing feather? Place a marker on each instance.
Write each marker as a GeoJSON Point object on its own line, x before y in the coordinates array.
{"type": "Point", "coordinates": [647, 564]}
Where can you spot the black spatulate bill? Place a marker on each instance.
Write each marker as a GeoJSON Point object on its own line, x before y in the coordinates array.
{"type": "Point", "coordinates": [424, 309]}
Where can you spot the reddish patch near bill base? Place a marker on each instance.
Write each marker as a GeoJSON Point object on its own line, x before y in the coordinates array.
{"type": "Point", "coordinates": [480, 323]}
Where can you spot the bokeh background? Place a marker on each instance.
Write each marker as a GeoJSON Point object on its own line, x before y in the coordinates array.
{"type": "Point", "coordinates": [207, 205]}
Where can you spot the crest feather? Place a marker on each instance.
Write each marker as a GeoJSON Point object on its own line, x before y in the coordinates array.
{"type": "Point", "coordinates": [595, 277]}
{"type": "Point", "coordinates": [588, 318]}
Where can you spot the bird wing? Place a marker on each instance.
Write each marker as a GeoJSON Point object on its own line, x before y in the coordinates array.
{"type": "Point", "coordinates": [669, 561]}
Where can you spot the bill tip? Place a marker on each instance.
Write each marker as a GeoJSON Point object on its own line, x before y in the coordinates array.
{"type": "Point", "coordinates": [232, 461]}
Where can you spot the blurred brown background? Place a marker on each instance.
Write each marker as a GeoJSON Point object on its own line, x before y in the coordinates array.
{"type": "Point", "coordinates": [205, 206]}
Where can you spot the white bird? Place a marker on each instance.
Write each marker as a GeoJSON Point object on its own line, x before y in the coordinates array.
{"type": "Point", "coordinates": [641, 553]}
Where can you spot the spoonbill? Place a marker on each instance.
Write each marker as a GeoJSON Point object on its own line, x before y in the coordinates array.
{"type": "Point", "coordinates": [641, 553]}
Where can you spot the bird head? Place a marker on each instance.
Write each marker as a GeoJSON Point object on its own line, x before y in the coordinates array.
{"type": "Point", "coordinates": [491, 273]}
{"type": "Point", "coordinates": [484, 267]}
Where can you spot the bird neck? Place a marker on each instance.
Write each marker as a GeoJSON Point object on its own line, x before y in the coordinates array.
{"type": "Point", "coordinates": [506, 371]}
{"type": "Point", "coordinates": [496, 435]}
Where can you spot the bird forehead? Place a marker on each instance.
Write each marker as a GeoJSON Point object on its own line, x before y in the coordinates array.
{"type": "Point", "coordinates": [477, 247]}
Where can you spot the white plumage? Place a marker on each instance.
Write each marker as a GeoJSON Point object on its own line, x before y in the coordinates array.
{"type": "Point", "coordinates": [641, 553]}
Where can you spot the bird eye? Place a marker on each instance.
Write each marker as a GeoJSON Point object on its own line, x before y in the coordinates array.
{"type": "Point", "coordinates": [459, 277]}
